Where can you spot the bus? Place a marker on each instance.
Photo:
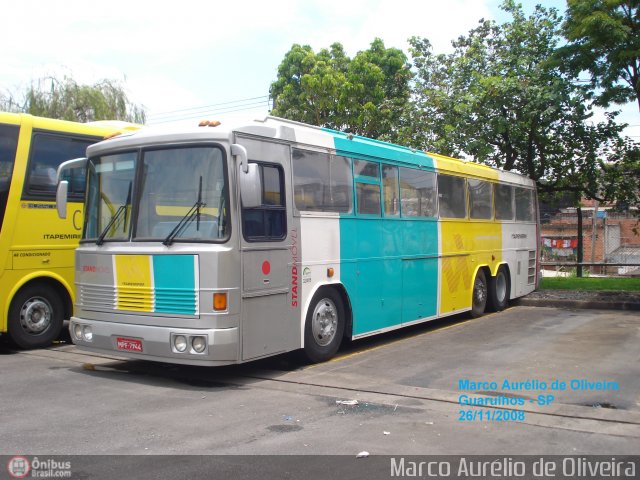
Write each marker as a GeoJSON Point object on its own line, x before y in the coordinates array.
{"type": "Point", "coordinates": [225, 243]}
{"type": "Point", "coordinates": [36, 247]}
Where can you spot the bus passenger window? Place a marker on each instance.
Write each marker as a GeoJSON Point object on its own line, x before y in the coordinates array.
{"type": "Point", "coordinates": [368, 198]}
{"type": "Point", "coordinates": [451, 193]}
{"type": "Point", "coordinates": [503, 195]}
{"type": "Point", "coordinates": [322, 182]}
{"type": "Point", "coordinates": [267, 222]}
{"type": "Point", "coordinates": [524, 205]}
{"type": "Point", "coordinates": [390, 190]}
{"type": "Point", "coordinates": [367, 175]}
{"type": "Point", "coordinates": [48, 151]}
{"type": "Point", "coordinates": [479, 199]}
{"type": "Point", "coordinates": [418, 192]}
{"type": "Point", "coordinates": [362, 168]}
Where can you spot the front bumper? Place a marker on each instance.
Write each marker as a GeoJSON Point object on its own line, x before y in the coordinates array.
{"type": "Point", "coordinates": [156, 342]}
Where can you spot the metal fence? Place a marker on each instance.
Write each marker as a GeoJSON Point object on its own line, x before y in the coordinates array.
{"type": "Point", "coordinates": [609, 243]}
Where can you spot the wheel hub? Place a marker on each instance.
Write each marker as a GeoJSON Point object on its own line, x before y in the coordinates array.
{"type": "Point", "coordinates": [480, 291]}
{"type": "Point", "coordinates": [325, 322]}
{"type": "Point", "coordinates": [35, 316]}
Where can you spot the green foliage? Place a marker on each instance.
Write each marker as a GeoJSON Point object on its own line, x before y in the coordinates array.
{"type": "Point", "coordinates": [364, 95]}
{"type": "Point", "coordinates": [591, 283]}
{"type": "Point", "coordinates": [621, 174]}
{"type": "Point", "coordinates": [509, 95]}
{"type": "Point", "coordinates": [65, 99]}
{"type": "Point", "coordinates": [502, 98]}
{"type": "Point", "coordinates": [605, 41]}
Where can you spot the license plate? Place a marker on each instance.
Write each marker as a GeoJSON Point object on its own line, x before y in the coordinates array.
{"type": "Point", "coordinates": [129, 344]}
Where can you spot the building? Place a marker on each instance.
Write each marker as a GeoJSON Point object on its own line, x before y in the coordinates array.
{"type": "Point", "coordinates": [608, 237]}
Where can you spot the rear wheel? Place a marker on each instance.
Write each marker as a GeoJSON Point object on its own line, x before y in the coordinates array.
{"type": "Point", "coordinates": [324, 326]}
{"type": "Point", "coordinates": [479, 294]}
{"type": "Point", "coordinates": [35, 316]}
{"type": "Point", "coordinates": [499, 288]}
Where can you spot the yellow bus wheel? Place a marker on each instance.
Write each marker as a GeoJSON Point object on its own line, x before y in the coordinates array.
{"type": "Point", "coordinates": [479, 294]}
{"type": "Point", "coordinates": [35, 316]}
{"type": "Point", "coordinates": [499, 290]}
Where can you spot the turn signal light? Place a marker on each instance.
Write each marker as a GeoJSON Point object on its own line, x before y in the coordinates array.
{"type": "Point", "coordinates": [219, 301]}
{"type": "Point", "coordinates": [330, 272]}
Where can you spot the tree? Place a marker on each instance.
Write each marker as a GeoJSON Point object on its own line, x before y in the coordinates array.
{"type": "Point", "coordinates": [65, 99]}
{"type": "Point", "coordinates": [605, 41]}
{"type": "Point", "coordinates": [363, 95]}
{"type": "Point", "coordinates": [622, 174]}
{"type": "Point", "coordinates": [502, 98]}
{"type": "Point", "coordinates": [308, 84]}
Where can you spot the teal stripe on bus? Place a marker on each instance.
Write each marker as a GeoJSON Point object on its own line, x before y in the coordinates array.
{"type": "Point", "coordinates": [366, 147]}
{"type": "Point", "coordinates": [174, 284]}
{"type": "Point", "coordinates": [389, 266]}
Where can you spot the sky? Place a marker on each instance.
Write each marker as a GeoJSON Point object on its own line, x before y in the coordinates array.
{"type": "Point", "coordinates": [197, 59]}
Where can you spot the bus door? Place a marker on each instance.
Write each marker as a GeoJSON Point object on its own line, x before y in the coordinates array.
{"type": "Point", "coordinates": [268, 325]}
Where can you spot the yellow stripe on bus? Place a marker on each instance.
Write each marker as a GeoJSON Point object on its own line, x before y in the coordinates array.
{"type": "Point", "coordinates": [134, 282]}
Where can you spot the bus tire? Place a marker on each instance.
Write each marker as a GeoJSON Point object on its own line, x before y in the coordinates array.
{"type": "Point", "coordinates": [324, 326]}
{"type": "Point", "coordinates": [35, 316]}
{"type": "Point", "coordinates": [479, 294]}
{"type": "Point", "coordinates": [499, 288]}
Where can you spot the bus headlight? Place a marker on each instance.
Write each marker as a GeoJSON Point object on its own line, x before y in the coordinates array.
{"type": "Point", "coordinates": [77, 331]}
{"type": "Point", "coordinates": [87, 333]}
{"type": "Point", "coordinates": [180, 343]}
{"type": "Point", "coordinates": [199, 344]}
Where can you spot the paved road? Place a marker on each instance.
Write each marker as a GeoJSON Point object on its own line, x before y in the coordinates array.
{"type": "Point", "coordinates": [407, 384]}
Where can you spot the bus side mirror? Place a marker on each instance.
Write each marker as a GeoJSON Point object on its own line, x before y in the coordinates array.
{"type": "Point", "coordinates": [249, 179]}
{"type": "Point", "coordinates": [61, 198]}
{"type": "Point", "coordinates": [63, 185]}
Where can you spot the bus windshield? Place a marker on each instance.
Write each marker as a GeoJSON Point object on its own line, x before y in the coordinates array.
{"type": "Point", "coordinates": [182, 196]}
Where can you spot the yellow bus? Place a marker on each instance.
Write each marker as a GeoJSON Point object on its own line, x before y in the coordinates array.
{"type": "Point", "coordinates": [36, 247]}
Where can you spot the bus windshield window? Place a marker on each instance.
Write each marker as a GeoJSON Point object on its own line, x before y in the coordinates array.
{"type": "Point", "coordinates": [8, 144]}
{"type": "Point", "coordinates": [109, 196]}
{"type": "Point", "coordinates": [183, 191]}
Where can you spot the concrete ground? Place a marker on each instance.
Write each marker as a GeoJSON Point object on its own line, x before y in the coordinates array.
{"type": "Point", "coordinates": [406, 384]}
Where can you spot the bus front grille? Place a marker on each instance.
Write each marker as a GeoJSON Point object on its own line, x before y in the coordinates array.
{"type": "Point", "coordinates": [178, 301]}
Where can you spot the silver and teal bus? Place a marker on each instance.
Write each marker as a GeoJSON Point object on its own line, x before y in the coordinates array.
{"type": "Point", "coordinates": [225, 243]}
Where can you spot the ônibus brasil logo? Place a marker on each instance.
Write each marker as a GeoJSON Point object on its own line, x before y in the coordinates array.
{"type": "Point", "coordinates": [19, 467]}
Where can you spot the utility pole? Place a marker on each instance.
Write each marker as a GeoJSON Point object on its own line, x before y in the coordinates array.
{"type": "Point", "coordinates": [594, 232]}
{"type": "Point", "coordinates": [579, 259]}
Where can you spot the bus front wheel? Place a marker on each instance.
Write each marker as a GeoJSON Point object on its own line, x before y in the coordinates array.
{"type": "Point", "coordinates": [35, 316]}
{"type": "Point", "coordinates": [479, 295]}
{"type": "Point", "coordinates": [324, 326]}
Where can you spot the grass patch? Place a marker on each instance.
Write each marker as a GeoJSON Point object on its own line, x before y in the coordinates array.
{"type": "Point", "coordinates": [591, 283]}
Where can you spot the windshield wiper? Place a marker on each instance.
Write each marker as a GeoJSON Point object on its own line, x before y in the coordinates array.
{"type": "Point", "coordinates": [121, 209]}
{"type": "Point", "coordinates": [194, 212]}
{"type": "Point", "coordinates": [221, 215]}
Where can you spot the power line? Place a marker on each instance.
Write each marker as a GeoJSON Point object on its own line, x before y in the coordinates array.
{"type": "Point", "coordinates": [252, 106]}
{"type": "Point", "coordinates": [204, 107]}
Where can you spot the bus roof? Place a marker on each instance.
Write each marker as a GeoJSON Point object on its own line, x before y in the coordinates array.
{"type": "Point", "coordinates": [98, 128]}
{"type": "Point", "coordinates": [302, 134]}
